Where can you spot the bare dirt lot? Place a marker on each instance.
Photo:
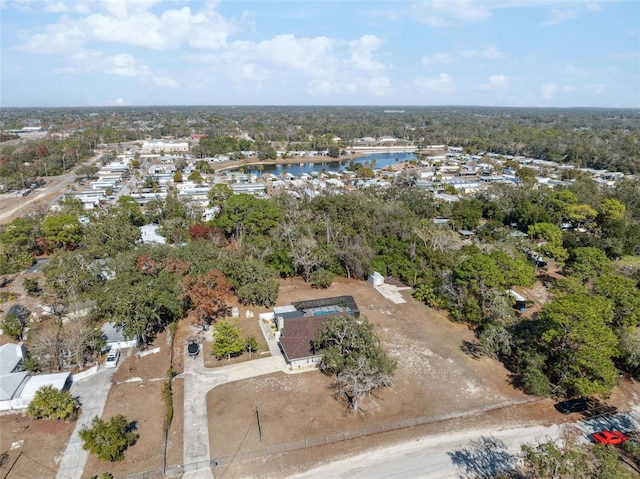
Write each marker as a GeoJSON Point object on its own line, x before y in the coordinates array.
{"type": "Point", "coordinates": [33, 448]}
{"type": "Point", "coordinates": [434, 377]}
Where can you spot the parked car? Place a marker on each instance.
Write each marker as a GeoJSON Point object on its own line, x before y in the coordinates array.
{"type": "Point", "coordinates": [609, 437]}
{"type": "Point", "coordinates": [572, 405]}
{"type": "Point", "coordinates": [112, 358]}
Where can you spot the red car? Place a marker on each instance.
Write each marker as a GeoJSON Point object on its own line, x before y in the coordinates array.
{"type": "Point", "coordinates": [609, 437]}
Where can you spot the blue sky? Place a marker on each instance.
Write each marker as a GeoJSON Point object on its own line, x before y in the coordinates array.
{"type": "Point", "coordinates": [320, 52]}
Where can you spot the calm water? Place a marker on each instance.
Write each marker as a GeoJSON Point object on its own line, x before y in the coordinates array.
{"type": "Point", "coordinates": [381, 160]}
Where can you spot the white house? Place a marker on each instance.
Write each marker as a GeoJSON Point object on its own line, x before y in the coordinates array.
{"type": "Point", "coordinates": [17, 388]}
{"type": "Point", "coordinates": [115, 337]}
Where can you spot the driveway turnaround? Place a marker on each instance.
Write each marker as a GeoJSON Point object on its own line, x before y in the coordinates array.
{"type": "Point", "coordinates": [92, 392]}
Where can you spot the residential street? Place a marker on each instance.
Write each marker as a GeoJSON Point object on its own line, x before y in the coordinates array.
{"type": "Point", "coordinates": [463, 454]}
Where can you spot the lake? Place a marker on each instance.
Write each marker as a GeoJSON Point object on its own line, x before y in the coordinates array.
{"type": "Point", "coordinates": [296, 169]}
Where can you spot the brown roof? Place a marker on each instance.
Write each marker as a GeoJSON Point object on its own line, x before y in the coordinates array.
{"type": "Point", "coordinates": [297, 335]}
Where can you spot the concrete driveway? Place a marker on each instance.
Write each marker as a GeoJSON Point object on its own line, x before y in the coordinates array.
{"type": "Point", "coordinates": [92, 393]}
{"type": "Point", "coordinates": [198, 381]}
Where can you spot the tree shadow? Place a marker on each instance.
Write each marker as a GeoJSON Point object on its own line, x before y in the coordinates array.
{"type": "Point", "coordinates": [599, 409]}
{"type": "Point", "coordinates": [485, 458]}
{"type": "Point", "coordinates": [472, 348]}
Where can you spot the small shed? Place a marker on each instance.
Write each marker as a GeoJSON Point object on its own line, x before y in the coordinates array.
{"type": "Point", "coordinates": [376, 279]}
{"type": "Point", "coordinates": [521, 301]}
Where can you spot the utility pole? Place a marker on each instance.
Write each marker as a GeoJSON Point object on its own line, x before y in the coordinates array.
{"type": "Point", "coordinates": [259, 414]}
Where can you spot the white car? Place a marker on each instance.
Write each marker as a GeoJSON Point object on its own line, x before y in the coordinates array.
{"type": "Point", "coordinates": [112, 358]}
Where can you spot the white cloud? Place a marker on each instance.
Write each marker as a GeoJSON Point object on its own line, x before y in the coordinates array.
{"type": "Point", "coordinates": [312, 56]}
{"type": "Point", "coordinates": [362, 53]}
{"type": "Point", "coordinates": [437, 59]}
{"type": "Point", "coordinates": [593, 7]}
{"type": "Point", "coordinates": [59, 39]}
{"type": "Point", "coordinates": [560, 15]}
{"type": "Point", "coordinates": [67, 7]}
{"type": "Point", "coordinates": [131, 23]}
{"type": "Point", "coordinates": [548, 91]}
{"type": "Point", "coordinates": [571, 12]}
{"type": "Point", "coordinates": [449, 13]}
{"type": "Point", "coordinates": [380, 86]}
{"type": "Point", "coordinates": [163, 81]}
{"type": "Point", "coordinates": [573, 70]}
{"type": "Point", "coordinates": [120, 102]}
{"type": "Point", "coordinates": [442, 83]}
{"type": "Point", "coordinates": [124, 65]}
{"type": "Point", "coordinates": [595, 88]}
{"type": "Point", "coordinates": [496, 83]}
{"type": "Point", "coordinates": [488, 52]}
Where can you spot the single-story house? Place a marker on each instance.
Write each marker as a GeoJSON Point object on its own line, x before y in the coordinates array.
{"type": "Point", "coordinates": [17, 388]}
{"type": "Point", "coordinates": [115, 337]}
{"type": "Point", "coordinates": [296, 341]}
{"type": "Point", "coordinates": [299, 322]}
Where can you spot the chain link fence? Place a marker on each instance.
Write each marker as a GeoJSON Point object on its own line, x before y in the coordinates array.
{"type": "Point", "coordinates": [242, 456]}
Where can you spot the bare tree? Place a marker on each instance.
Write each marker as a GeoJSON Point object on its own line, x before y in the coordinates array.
{"type": "Point", "coordinates": [46, 345]}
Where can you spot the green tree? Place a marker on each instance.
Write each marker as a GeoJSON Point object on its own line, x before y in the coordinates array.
{"type": "Point", "coordinates": [19, 235]}
{"type": "Point", "coordinates": [354, 355]}
{"type": "Point", "coordinates": [63, 231]}
{"type": "Point", "coordinates": [219, 194]}
{"type": "Point", "coordinates": [547, 239]}
{"type": "Point", "coordinates": [131, 209]}
{"type": "Point", "coordinates": [250, 344]}
{"type": "Point", "coordinates": [466, 213]}
{"type": "Point", "coordinates": [589, 262]}
{"type": "Point", "coordinates": [625, 296]}
{"type": "Point", "coordinates": [333, 151]}
{"type": "Point", "coordinates": [177, 177]}
{"type": "Point", "coordinates": [548, 460]}
{"type": "Point", "coordinates": [245, 215]}
{"type": "Point", "coordinates": [228, 341]}
{"type": "Point", "coordinates": [141, 304]}
{"type": "Point", "coordinates": [196, 177]}
{"type": "Point", "coordinates": [581, 215]}
{"type": "Point", "coordinates": [580, 344]}
{"type": "Point", "coordinates": [113, 229]}
{"type": "Point", "coordinates": [527, 176]}
{"type": "Point", "coordinates": [12, 327]}
{"type": "Point", "coordinates": [610, 211]}
{"type": "Point", "coordinates": [70, 205]}
{"type": "Point", "coordinates": [479, 270]}
{"type": "Point", "coordinates": [51, 403]}
{"type": "Point", "coordinates": [108, 440]}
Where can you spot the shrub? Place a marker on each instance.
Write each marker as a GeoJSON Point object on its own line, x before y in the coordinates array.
{"type": "Point", "coordinates": [51, 403]}
{"type": "Point", "coordinates": [321, 279]}
{"type": "Point", "coordinates": [12, 326]}
{"type": "Point", "coordinates": [31, 286]}
{"type": "Point", "coordinates": [108, 440]}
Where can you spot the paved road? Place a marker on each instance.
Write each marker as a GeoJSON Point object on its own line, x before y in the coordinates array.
{"type": "Point", "coordinates": [12, 206]}
{"type": "Point", "coordinates": [92, 392]}
{"type": "Point", "coordinates": [464, 454]}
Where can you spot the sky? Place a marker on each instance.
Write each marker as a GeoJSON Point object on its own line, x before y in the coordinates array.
{"type": "Point", "coordinates": [533, 53]}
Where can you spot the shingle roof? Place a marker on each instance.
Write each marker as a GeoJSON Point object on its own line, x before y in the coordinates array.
{"type": "Point", "coordinates": [298, 334]}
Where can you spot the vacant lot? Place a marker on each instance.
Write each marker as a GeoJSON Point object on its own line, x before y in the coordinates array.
{"type": "Point", "coordinates": [434, 377]}
{"type": "Point", "coordinates": [33, 448]}
{"type": "Point", "coordinates": [136, 393]}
